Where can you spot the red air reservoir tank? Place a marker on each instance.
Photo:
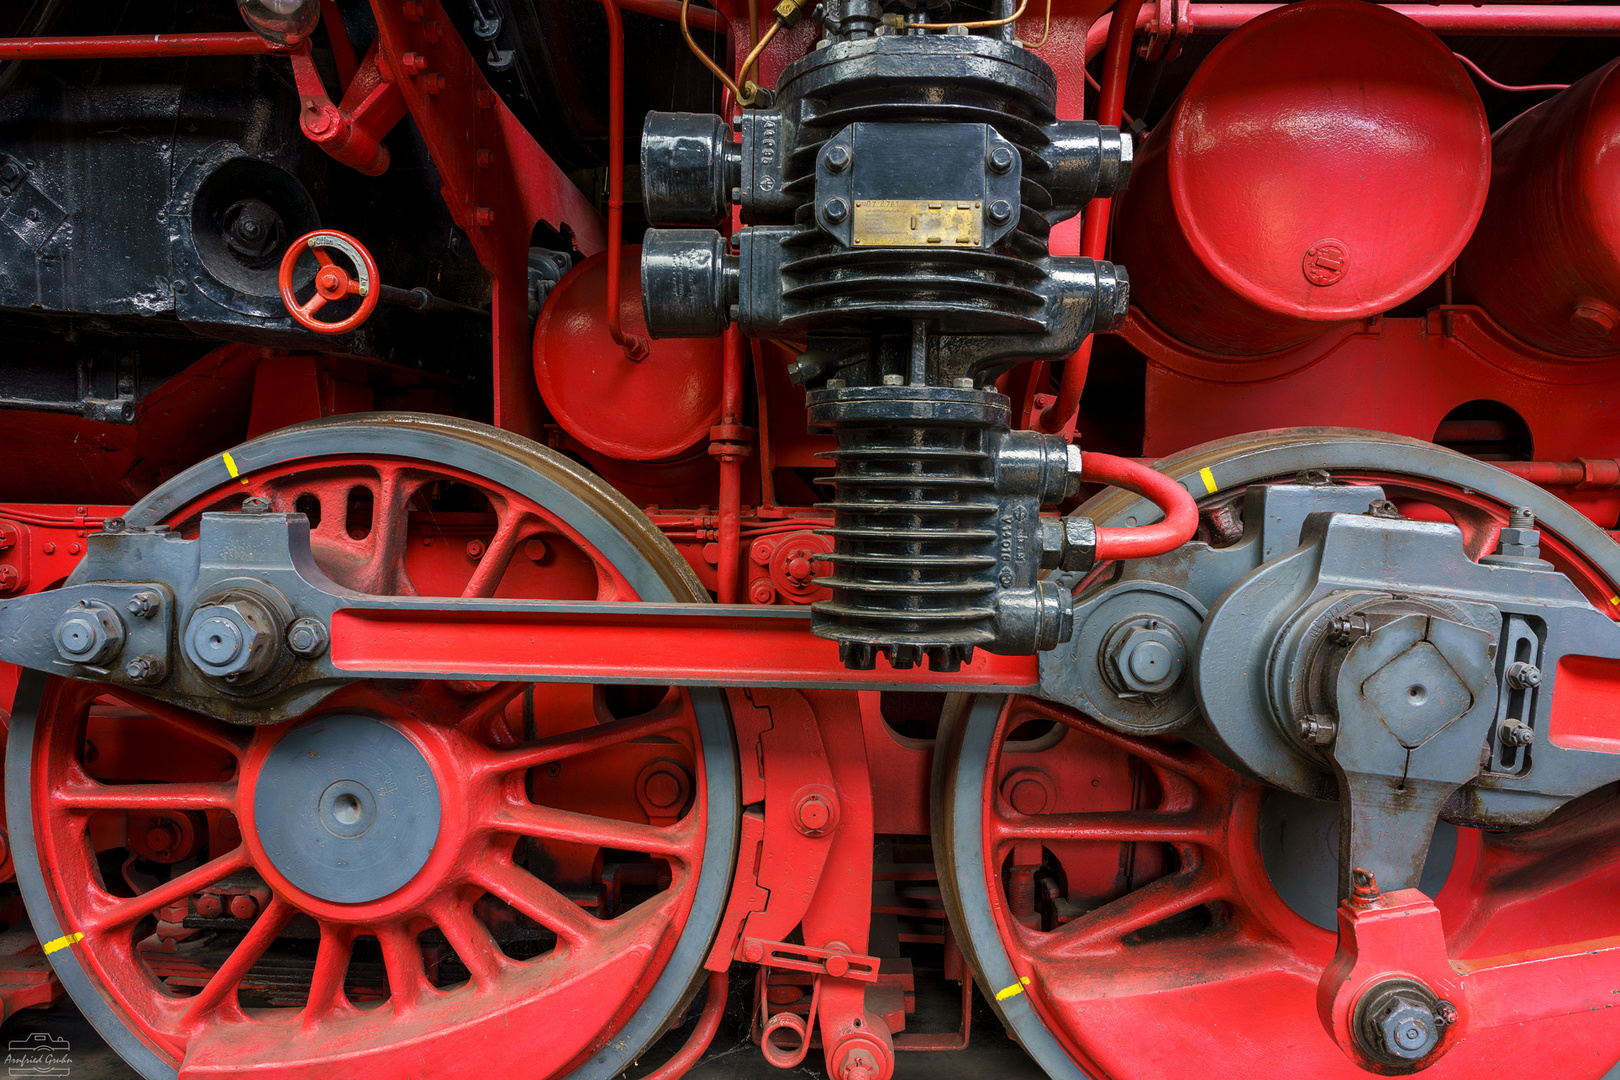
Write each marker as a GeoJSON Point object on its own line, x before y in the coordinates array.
{"type": "Point", "coordinates": [1545, 261]}
{"type": "Point", "coordinates": [1327, 162]}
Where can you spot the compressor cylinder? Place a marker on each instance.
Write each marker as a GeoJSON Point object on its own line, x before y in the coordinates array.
{"type": "Point", "coordinates": [1327, 162]}
{"type": "Point", "coordinates": [1545, 261]}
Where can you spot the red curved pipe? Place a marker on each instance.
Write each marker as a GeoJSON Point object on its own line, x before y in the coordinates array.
{"type": "Point", "coordinates": [1094, 226]}
{"type": "Point", "coordinates": [1141, 541]}
{"type": "Point", "coordinates": [702, 1035]}
{"type": "Point", "coordinates": [636, 348]}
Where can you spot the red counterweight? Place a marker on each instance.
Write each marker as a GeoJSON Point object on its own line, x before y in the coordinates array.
{"type": "Point", "coordinates": [1545, 261]}
{"type": "Point", "coordinates": [1297, 186]}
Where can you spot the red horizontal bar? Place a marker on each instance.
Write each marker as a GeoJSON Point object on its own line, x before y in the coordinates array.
{"type": "Point", "coordinates": [135, 46]}
{"type": "Point", "coordinates": [690, 649]}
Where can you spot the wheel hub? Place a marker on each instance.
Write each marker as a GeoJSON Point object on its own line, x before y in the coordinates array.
{"type": "Point", "coordinates": [346, 808]}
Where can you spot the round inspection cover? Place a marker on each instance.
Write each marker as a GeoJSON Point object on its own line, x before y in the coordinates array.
{"type": "Point", "coordinates": [649, 410]}
{"type": "Point", "coordinates": [346, 808]}
{"type": "Point", "coordinates": [1327, 162]}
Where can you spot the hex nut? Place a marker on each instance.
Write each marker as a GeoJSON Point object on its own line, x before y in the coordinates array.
{"type": "Point", "coordinates": [1148, 657]}
{"type": "Point", "coordinates": [90, 633]}
{"type": "Point", "coordinates": [1523, 676]}
{"type": "Point", "coordinates": [1071, 471]}
{"type": "Point", "coordinates": [232, 639]}
{"type": "Point", "coordinates": [143, 605]}
{"type": "Point", "coordinates": [145, 668]}
{"type": "Point", "coordinates": [1408, 1029]}
{"type": "Point", "coordinates": [308, 638]}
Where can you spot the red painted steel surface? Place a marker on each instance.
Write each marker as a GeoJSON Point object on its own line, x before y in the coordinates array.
{"type": "Point", "coordinates": [1293, 189]}
{"type": "Point", "coordinates": [1554, 217]}
{"type": "Point", "coordinates": [632, 409]}
{"type": "Point", "coordinates": [1267, 262]}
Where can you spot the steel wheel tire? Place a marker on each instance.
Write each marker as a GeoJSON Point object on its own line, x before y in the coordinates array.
{"type": "Point", "coordinates": [1228, 809]}
{"type": "Point", "coordinates": [632, 561]}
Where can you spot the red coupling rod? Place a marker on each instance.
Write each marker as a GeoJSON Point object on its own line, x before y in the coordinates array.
{"type": "Point", "coordinates": [702, 1035]}
{"type": "Point", "coordinates": [1142, 541]}
{"type": "Point", "coordinates": [635, 348]}
{"type": "Point", "coordinates": [136, 46]}
{"type": "Point", "coordinates": [1582, 472]}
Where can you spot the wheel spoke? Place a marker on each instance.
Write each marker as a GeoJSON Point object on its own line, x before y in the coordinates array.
{"type": "Point", "coordinates": [540, 902]}
{"type": "Point", "coordinates": [220, 990]}
{"type": "Point", "coordinates": [201, 728]}
{"type": "Point", "coordinates": [487, 706]}
{"type": "Point", "coordinates": [322, 257]}
{"type": "Point", "coordinates": [153, 798]}
{"type": "Point", "coordinates": [312, 305]}
{"type": "Point", "coordinates": [548, 823]}
{"type": "Point", "coordinates": [472, 941]}
{"type": "Point", "coordinates": [127, 911]}
{"type": "Point", "coordinates": [352, 287]}
{"type": "Point", "coordinates": [1154, 902]}
{"type": "Point", "coordinates": [402, 958]}
{"type": "Point", "coordinates": [326, 994]}
{"type": "Point", "coordinates": [584, 740]}
{"type": "Point", "coordinates": [497, 556]}
{"type": "Point", "coordinates": [385, 574]}
{"type": "Point", "coordinates": [1123, 826]}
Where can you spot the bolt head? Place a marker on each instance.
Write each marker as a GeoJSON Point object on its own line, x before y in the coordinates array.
{"type": "Point", "coordinates": [143, 605]}
{"type": "Point", "coordinates": [244, 907]}
{"type": "Point", "coordinates": [835, 210]}
{"type": "Point", "coordinates": [1148, 658]}
{"type": "Point", "coordinates": [144, 669]}
{"type": "Point", "coordinates": [1408, 1028]}
{"type": "Point", "coordinates": [209, 906]}
{"type": "Point", "coordinates": [307, 637]}
{"type": "Point", "coordinates": [1001, 160]}
{"type": "Point", "coordinates": [89, 635]}
{"type": "Point", "coordinates": [837, 158]}
{"type": "Point", "coordinates": [1001, 212]}
{"type": "Point", "coordinates": [762, 592]}
{"type": "Point", "coordinates": [1594, 318]}
{"type": "Point", "coordinates": [231, 639]}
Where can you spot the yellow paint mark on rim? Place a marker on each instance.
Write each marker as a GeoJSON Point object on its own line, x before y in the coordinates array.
{"type": "Point", "coordinates": [1208, 478]}
{"type": "Point", "coordinates": [1614, 600]}
{"type": "Point", "coordinates": [63, 942]}
{"type": "Point", "coordinates": [230, 466]}
{"type": "Point", "coordinates": [1014, 990]}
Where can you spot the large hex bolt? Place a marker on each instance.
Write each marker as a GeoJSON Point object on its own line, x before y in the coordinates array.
{"type": "Point", "coordinates": [89, 633]}
{"type": "Point", "coordinates": [1147, 656]}
{"type": "Point", "coordinates": [233, 639]}
{"type": "Point", "coordinates": [1399, 1022]}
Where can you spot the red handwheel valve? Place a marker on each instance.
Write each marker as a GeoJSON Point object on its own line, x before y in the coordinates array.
{"type": "Point", "coordinates": [333, 282]}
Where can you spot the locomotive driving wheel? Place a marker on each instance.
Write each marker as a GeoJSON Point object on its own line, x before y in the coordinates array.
{"type": "Point", "coordinates": [418, 878]}
{"type": "Point", "coordinates": [1131, 903]}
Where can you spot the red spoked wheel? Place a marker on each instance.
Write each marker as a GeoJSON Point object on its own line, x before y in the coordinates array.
{"type": "Point", "coordinates": [334, 284]}
{"type": "Point", "coordinates": [1133, 905]}
{"type": "Point", "coordinates": [420, 878]}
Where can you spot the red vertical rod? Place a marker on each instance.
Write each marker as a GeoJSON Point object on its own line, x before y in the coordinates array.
{"type": "Point", "coordinates": [1094, 230]}
{"type": "Point", "coordinates": [636, 348]}
{"type": "Point", "coordinates": [767, 463]}
{"type": "Point", "coordinates": [727, 445]}
{"type": "Point", "coordinates": [133, 46]}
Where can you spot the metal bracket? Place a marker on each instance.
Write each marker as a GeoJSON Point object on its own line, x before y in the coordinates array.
{"type": "Point", "coordinates": [787, 957]}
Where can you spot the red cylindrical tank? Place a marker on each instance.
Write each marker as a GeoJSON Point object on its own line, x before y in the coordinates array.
{"type": "Point", "coordinates": [649, 410]}
{"type": "Point", "coordinates": [1545, 260]}
{"type": "Point", "coordinates": [1327, 162]}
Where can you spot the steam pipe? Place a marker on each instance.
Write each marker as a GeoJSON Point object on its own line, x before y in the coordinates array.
{"type": "Point", "coordinates": [1140, 542]}
{"type": "Point", "coordinates": [1094, 227]}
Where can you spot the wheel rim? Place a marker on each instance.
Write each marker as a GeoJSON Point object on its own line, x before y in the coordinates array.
{"type": "Point", "coordinates": [1180, 833]}
{"type": "Point", "coordinates": [542, 793]}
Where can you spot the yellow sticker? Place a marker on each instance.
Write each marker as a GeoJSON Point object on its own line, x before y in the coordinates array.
{"type": "Point", "coordinates": [1614, 599]}
{"type": "Point", "coordinates": [1203, 474]}
{"type": "Point", "coordinates": [1014, 990]}
{"type": "Point", "coordinates": [62, 943]}
{"type": "Point", "coordinates": [230, 466]}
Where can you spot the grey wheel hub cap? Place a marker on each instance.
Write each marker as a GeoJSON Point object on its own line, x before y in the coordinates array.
{"type": "Point", "coordinates": [347, 808]}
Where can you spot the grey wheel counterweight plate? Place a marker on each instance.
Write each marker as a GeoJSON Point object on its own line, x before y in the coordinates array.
{"type": "Point", "coordinates": [346, 808]}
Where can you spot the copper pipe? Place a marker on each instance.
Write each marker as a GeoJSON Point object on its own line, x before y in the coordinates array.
{"type": "Point", "coordinates": [702, 18]}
